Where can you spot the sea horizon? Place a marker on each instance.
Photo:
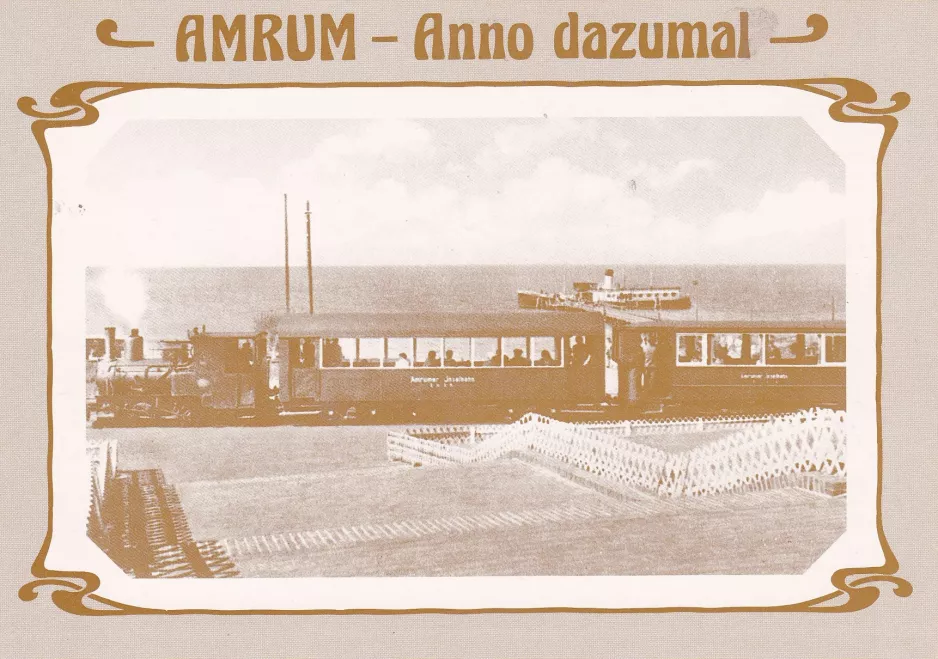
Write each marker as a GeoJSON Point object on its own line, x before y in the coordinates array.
{"type": "Point", "coordinates": [166, 302]}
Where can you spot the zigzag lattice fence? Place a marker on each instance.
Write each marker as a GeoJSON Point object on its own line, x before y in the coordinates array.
{"type": "Point", "coordinates": [762, 452]}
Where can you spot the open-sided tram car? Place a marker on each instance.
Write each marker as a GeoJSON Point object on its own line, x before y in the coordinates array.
{"type": "Point", "coordinates": [732, 366]}
{"type": "Point", "coordinates": [439, 365]}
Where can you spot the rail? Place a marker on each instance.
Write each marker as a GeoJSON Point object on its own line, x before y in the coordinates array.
{"type": "Point", "coordinates": [137, 519]}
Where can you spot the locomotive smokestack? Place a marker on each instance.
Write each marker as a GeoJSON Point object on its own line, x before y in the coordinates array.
{"type": "Point", "coordinates": [135, 346]}
{"type": "Point", "coordinates": [607, 280]}
{"type": "Point", "coordinates": [110, 343]}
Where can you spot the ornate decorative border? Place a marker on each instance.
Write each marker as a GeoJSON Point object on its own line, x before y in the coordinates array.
{"type": "Point", "coordinates": [855, 588]}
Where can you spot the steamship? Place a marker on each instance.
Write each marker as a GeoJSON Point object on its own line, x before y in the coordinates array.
{"type": "Point", "coordinates": [593, 295]}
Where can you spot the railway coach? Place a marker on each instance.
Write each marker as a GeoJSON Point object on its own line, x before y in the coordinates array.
{"type": "Point", "coordinates": [731, 366]}
{"type": "Point", "coordinates": [438, 365]}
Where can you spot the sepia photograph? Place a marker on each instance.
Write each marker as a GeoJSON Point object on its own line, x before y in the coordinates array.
{"type": "Point", "coordinates": [462, 346]}
{"type": "Point", "coordinates": [441, 375]}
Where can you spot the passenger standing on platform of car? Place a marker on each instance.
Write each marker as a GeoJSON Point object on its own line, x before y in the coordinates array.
{"type": "Point", "coordinates": [650, 363]}
{"type": "Point", "coordinates": [579, 354]}
{"type": "Point", "coordinates": [307, 352]}
{"type": "Point", "coordinates": [247, 355]}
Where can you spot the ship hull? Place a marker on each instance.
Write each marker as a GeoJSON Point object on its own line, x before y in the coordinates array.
{"type": "Point", "coordinates": [528, 300]}
{"type": "Point", "coordinates": [542, 301]}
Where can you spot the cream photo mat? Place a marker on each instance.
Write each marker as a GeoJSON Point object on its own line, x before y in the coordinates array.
{"type": "Point", "coordinates": [72, 148]}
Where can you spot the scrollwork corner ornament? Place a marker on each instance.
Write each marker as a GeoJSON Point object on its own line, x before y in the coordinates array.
{"type": "Point", "coordinates": [74, 106]}
{"type": "Point", "coordinates": [856, 100]}
{"type": "Point", "coordinates": [72, 592]}
{"type": "Point", "coordinates": [861, 586]}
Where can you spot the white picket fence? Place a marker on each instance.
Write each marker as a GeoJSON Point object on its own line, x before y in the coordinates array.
{"type": "Point", "coordinates": [762, 450]}
{"type": "Point", "coordinates": [813, 441]}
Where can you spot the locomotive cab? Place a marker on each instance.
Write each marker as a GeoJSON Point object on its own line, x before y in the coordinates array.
{"type": "Point", "coordinates": [228, 374]}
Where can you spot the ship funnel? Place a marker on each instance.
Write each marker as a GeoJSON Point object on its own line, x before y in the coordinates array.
{"type": "Point", "coordinates": [135, 346]}
{"type": "Point", "coordinates": [110, 343]}
{"type": "Point", "coordinates": [607, 280]}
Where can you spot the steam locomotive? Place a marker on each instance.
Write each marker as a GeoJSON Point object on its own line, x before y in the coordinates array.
{"type": "Point", "coordinates": [388, 367]}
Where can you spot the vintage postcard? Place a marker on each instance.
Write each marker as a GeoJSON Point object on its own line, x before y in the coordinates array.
{"type": "Point", "coordinates": [455, 341]}
{"type": "Point", "coordinates": [504, 345]}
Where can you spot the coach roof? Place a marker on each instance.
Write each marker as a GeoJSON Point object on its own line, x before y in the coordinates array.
{"type": "Point", "coordinates": [723, 326]}
{"type": "Point", "coordinates": [517, 323]}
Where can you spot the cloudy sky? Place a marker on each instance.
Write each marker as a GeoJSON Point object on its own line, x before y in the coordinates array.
{"type": "Point", "coordinates": [457, 191]}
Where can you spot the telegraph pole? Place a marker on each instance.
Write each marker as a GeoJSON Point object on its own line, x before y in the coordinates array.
{"type": "Point", "coordinates": [286, 252]}
{"type": "Point", "coordinates": [309, 259]}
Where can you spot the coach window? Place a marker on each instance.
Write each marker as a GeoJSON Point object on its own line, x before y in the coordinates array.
{"type": "Point", "coordinates": [429, 353]}
{"type": "Point", "coordinates": [400, 353]}
{"type": "Point", "coordinates": [303, 352]}
{"type": "Point", "coordinates": [516, 352]}
{"type": "Point", "coordinates": [486, 352]}
{"type": "Point", "coordinates": [456, 352]}
{"type": "Point", "coordinates": [690, 349]}
{"type": "Point", "coordinates": [835, 349]}
{"type": "Point", "coordinates": [792, 349]}
{"type": "Point", "coordinates": [337, 353]}
{"type": "Point", "coordinates": [577, 352]}
{"type": "Point", "coordinates": [370, 353]}
{"type": "Point", "coordinates": [545, 350]}
{"type": "Point", "coordinates": [735, 349]}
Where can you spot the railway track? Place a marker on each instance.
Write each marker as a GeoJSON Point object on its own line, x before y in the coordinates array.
{"type": "Point", "coordinates": [147, 533]}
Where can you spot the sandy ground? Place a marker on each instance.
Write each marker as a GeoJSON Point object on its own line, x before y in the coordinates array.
{"type": "Point", "coordinates": [273, 495]}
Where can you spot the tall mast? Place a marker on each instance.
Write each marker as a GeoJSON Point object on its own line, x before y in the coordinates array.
{"type": "Point", "coordinates": [309, 259]}
{"type": "Point", "coordinates": [286, 252]}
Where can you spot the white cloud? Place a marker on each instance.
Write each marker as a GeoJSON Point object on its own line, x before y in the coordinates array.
{"type": "Point", "coordinates": [186, 217]}
{"type": "Point", "coordinates": [556, 213]}
{"type": "Point", "coordinates": [805, 225]}
{"type": "Point", "coordinates": [657, 178]}
{"type": "Point", "coordinates": [389, 141]}
{"type": "Point", "coordinates": [519, 140]}
{"type": "Point", "coordinates": [368, 208]}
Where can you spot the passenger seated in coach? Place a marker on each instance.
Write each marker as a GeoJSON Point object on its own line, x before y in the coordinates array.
{"type": "Point", "coordinates": [546, 359]}
{"type": "Point", "coordinates": [690, 352]}
{"type": "Point", "coordinates": [449, 359]}
{"type": "Point", "coordinates": [432, 359]}
{"type": "Point", "coordinates": [518, 359]}
{"type": "Point", "coordinates": [721, 354]}
{"type": "Point", "coordinates": [402, 361]}
{"type": "Point", "coordinates": [495, 359]}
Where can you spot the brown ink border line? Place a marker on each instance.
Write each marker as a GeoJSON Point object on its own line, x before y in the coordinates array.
{"type": "Point", "coordinates": [853, 103]}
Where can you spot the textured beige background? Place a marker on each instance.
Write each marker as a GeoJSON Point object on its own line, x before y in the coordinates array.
{"type": "Point", "coordinates": [888, 45]}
